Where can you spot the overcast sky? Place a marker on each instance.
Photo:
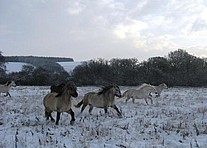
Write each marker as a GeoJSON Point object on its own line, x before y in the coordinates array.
{"type": "Point", "coordinates": [91, 29]}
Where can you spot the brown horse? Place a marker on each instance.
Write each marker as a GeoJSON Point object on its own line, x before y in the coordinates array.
{"type": "Point", "coordinates": [103, 99]}
{"type": "Point", "coordinates": [60, 102]}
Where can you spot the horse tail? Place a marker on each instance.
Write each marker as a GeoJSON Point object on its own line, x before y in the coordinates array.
{"type": "Point", "coordinates": [124, 94]}
{"type": "Point", "coordinates": [79, 104]}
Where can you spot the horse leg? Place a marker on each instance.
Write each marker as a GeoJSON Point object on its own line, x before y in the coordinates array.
{"type": "Point", "coordinates": [6, 94]}
{"type": "Point", "coordinates": [57, 118]}
{"type": "Point", "coordinates": [105, 109]}
{"type": "Point", "coordinates": [90, 109]}
{"type": "Point", "coordinates": [127, 99]}
{"type": "Point", "coordinates": [116, 108]}
{"type": "Point", "coordinates": [151, 99]}
{"type": "Point", "coordinates": [146, 101]}
{"type": "Point", "coordinates": [52, 119]}
{"type": "Point", "coordinates": [9, 94]}
{"type": "Point", "coordinates": [83, 107]}
{"type": "Point", "coordinates": [72, 116]}
{"type": "Point", "coordinates": [48, 114]}
{"type": "Point", "coordinates": [133, 100]}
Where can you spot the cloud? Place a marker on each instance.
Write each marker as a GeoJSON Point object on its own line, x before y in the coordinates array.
{"type": "Point", "coordinates": [75, 7]}
{"type": "Point", "coordinates": [129, 29]}
{"type": "Point", "coordinates": [136, 28]}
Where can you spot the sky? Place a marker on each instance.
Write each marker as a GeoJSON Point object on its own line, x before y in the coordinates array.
{"type": "Point", "coordinates": [91, 29]}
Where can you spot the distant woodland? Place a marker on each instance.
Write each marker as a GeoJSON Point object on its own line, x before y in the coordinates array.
{"type": "Point", "coordinates": [178, 68]}
{"type": "Point", "coordinates": [41, 71]}
{"type": "Point", "coordinates": [47, 63]}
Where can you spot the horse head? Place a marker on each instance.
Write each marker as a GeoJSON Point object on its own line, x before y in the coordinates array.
{"type": "Point", "coordinates": [71, 87]}
{"type": "Point", "coordinates": [117, 91]}
{"type": "Point", "coordinates": [163, 85]}
{"type": "Point", "coordinates": [149, 89]}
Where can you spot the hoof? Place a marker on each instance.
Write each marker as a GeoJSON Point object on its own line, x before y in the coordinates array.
{"type": "Point", "coordinates": [72, 122]}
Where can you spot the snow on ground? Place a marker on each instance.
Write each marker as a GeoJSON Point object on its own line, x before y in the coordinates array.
{"type": "Point", "coordinates": [69, 66]}
{"type": "Point", "coordinates": [178, 119]}
{"type": "Point", "coordinates": [14, 66]}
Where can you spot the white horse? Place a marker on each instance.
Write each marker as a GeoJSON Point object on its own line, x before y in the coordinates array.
{"type": "Point", "coordinates": [160, 88]}
{"type": "Point", "coordinates": [142, 92]}
{"type": "Point", "coordinates": [4, 88]}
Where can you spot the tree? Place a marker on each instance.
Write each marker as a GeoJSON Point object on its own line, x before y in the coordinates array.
{"type": "Point", "coordinates": [26, 75]}
{"type": "Point", "coordinates": [2, 68]}
{"type": "Point", "coordinates": [156, 70]}
{"type": "Point", "coordinates": [185, 67]}
{"type": "Point", "coordinates": [41, 76]}
{"type": "Point", "coordinates": [125, 71]}
{"type": "Point", "coordinates": [93, 72]}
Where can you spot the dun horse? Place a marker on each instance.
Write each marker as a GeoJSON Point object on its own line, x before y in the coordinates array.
{"type": "Point", "coordinates": [57, 88]}
{"type": "Point", "coordinates": [4, 88]}
{"type": "Point", "coordinates": [60, 102]}
{"type": "Point", "coordinates": [142, 92]}
{"type": "Point", "coordinates": [103, 99]}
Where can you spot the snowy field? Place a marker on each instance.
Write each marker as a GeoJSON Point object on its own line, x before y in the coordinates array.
{"type": "Point", "coordinates": [178, 119]}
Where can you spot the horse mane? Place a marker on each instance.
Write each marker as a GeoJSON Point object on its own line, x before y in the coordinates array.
{"type": "Point", "coordinates": [67, 86]}
{"type": "Point", "coordinates": [61, 85]}
{"type": "Point", "coordinates": [162, 84]}
{"type": "Point", "coordinates": [8, 82]}
{"type": "Point", "coordinates": [105, 89]}
{"type": "Point", "coordinates": [144, 85]}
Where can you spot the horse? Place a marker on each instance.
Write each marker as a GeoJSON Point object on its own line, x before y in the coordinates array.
{"type": "Point", "coordinates": [57, 88]}
{"type": "Point", "coordinates": [103, 99]}
{"type": "Point", "coordinates": [4, 88]}
{"type": "Point", "coordinates": [142, 92]}
{"type": "Point", "coordinates": [60, 102]}
{"type": "Point", "coordinates": [160, 88]}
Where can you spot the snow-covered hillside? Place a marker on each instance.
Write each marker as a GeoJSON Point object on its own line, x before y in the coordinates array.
{"type": "Point", "coordinates": [178, 119]}
{"type": "Point", "coordinates": [69, 66]}
{"type": "Point", "coordinates": [14, 66]}
{"type": "Point", "coordinates": [17, 66]}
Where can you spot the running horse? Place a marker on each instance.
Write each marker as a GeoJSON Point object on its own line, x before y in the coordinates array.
{"type": "Point", "coordinates": [60, 102]}
{"type": "Point", "coordinates": [105, 98]}
{"type": "Point", "coordinates": [142, 92]}
{"type": "Point", "coordinates": [5, 88]}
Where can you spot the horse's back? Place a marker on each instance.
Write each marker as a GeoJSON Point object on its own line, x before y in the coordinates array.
{"type": "Point", "coordinates": [128, 92]}
{"type": "Point", "coordinates": [95, 99]}
{"type": "Point", "coordinates": [138, 93]}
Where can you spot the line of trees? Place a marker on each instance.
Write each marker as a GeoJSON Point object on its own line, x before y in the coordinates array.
{"type": "Point", "coordinates": [178, 68]}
